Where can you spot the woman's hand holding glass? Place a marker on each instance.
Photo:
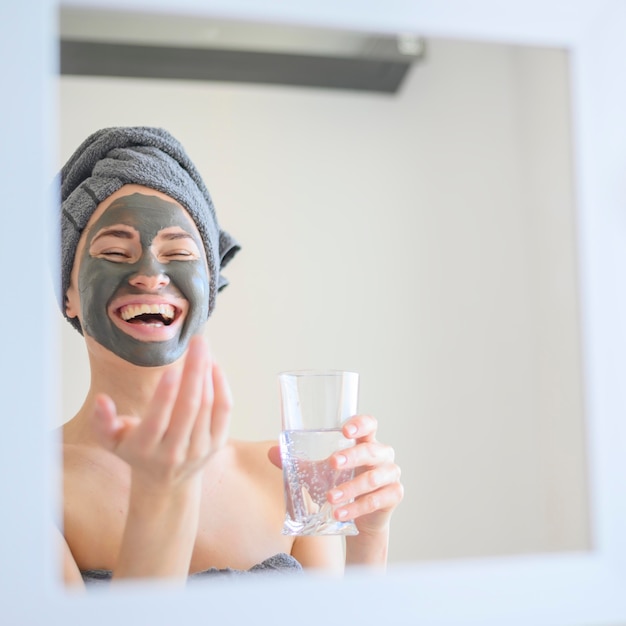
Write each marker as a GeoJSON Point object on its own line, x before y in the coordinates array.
{"type": "Point", "coordinates": [370, 497]}
{"type": "Point", "coordinates": [375, 491]}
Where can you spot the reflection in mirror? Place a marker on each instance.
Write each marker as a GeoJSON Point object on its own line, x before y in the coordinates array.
{"type": "Point", "coordinates": [425, 238]}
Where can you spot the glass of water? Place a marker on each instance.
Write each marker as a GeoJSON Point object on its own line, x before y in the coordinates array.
{"type": "Point", "coordinates": [314, 405]}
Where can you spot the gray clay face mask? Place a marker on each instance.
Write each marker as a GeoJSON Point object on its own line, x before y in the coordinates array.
{"type": "Point", "coordinates": [143, 282]}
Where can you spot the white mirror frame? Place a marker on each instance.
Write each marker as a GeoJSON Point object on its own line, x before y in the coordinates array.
{"type": "Point", "coordinates": [579, 588]}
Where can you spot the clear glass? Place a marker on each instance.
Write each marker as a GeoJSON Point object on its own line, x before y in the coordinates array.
{"type": "Point", "coordinates": [314, 406]}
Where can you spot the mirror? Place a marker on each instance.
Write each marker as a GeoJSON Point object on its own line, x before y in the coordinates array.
{"type": "Point", "coordinates": [425, 238]}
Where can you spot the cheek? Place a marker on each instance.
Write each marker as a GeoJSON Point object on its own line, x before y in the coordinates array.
{"type": "Point", "coordinates": [193, 281]}
{"type": "Point", "coordinates": [97, 280]}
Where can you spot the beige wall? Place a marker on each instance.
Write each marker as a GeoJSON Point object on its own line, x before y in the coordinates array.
{"type": "Point", "coordinates": [425, 240]}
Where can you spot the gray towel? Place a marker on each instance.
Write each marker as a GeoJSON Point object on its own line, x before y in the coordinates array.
{"type": "Point", "coordinates": [113, 157]}
{"type": "Point", "coordinates": [278, 564]}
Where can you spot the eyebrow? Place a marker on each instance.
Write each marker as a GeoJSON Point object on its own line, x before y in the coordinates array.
{"type": "Point", "coordinates": [113, 232]}
{"type": "Point", "coordinates": [175, 235]}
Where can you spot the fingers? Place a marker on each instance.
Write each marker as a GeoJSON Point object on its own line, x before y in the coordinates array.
{"type": "Point", "coordinates": [194, 397]}
{"type": "Point", "coordinates": [360, 427]}
{"type": "Point", "coordinates": [376, 489]}
{"type": "Point", "coordinates": [154, 425]}
{"type": "Point", "coordinates": [200, 436]}
{"type": "Point", "coordinates": [105, 423]}
{"type": "Point", "coordinates": [369, 454]}
{"type": "Point", "coordinates": [366, 483]}
{"type": "Point", "coordinates": [210, 430]}
{"type": "Point", "coordinates": [200, 416]}
{"type": "Point", "coordinates": [382, 500]}
{"type": "Point", "coordinates": [222, 408]}
{"type": "Point", "coordinates": [109, 428]}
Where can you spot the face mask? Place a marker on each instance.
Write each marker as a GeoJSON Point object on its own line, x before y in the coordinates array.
{"type": "Point", "coordinates": [127, 272]}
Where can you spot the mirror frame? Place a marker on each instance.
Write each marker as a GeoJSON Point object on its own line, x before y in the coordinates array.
{"type": "Point", "coordinates": [564, 588]}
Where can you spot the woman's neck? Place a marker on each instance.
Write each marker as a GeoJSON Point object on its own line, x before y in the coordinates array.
{"type": "Point", "coordinates": [131, 387]}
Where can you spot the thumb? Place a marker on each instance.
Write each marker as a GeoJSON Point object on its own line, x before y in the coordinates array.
{"type": "Point", "coordinates": [108, 427]}
{"type": "Point", "coordinates": [273, 454]}
{"type": "Point", "coordinates": [105, 424]}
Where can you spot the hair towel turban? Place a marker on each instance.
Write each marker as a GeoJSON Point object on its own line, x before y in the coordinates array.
{"type": "Point", "coordinates": [113, 157]}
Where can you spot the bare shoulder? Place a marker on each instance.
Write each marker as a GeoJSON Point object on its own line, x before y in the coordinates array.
{"type": "Point", "coordinates": [80, 456]}
{"type": "Point", "coordinates": [95, 494]}
{"type": "Point", "coordinates": [255, 475]}
{"type": "Point", "coordinates": [243, 505]}
{"type": "Point", "coordinates": [95, 481]}
{"type": "Point", "coordinates": [83, 462]}
{"type": "Point", "coordinates": [252, 457]}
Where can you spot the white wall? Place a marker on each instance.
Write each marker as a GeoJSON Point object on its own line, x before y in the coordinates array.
{"type": "Point", "coordinates": [425, 240]}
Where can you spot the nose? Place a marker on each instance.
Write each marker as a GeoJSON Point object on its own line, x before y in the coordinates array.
{"type": "Point", "coordinates": [151, 283]}
{"type": "Point", "coordinates": [149, 275]}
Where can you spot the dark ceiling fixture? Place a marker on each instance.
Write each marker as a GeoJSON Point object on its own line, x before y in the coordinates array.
{"type": "Point", "coordinates": [115, 44]}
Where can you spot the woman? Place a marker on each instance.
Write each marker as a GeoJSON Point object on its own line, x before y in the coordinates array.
{"type": "Point", "coordinates": [153, 487]}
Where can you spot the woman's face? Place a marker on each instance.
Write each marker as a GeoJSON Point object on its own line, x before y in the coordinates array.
{"type": "Point", "coordinates": [140, 283]}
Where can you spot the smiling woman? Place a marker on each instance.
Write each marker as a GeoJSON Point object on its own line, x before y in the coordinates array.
{"type": "Point", "coordinates": [153, 486]}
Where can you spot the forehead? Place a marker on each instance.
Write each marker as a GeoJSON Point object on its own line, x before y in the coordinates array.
{"type": "Point", "coordinates": [144, 210]}
{"type": "Point", "coordinates": [146, 214]}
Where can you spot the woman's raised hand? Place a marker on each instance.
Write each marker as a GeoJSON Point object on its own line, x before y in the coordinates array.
{"type": "Point", "coordinates": [186, 421]}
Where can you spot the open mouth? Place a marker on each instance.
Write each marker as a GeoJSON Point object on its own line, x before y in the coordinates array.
{"type": "Point", "coordinates": [148, 314]}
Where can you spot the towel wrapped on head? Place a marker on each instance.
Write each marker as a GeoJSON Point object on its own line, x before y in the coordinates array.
{"type": "Point", "coordinates": [113, 157]}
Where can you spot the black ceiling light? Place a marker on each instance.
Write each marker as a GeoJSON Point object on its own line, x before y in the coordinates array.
{"type": "Point", "coordinates": [107, 43]}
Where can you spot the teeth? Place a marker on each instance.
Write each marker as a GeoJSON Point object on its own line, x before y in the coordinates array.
{"type": "Point", "coordinates": [133, 310]}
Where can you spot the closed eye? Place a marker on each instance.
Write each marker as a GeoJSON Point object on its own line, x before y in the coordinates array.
{"type": "Point", "coordinates": [179, 254]}
{"type": "Point", "coordinates": [114, 255]}
{"type": "Point", "coordinates": [118, 244]}
{"type": "Point", "coordinates": [176, 244]}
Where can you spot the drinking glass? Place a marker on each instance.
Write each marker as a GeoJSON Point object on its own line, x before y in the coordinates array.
{"type": "Point", "coordinates": [314, 404]}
